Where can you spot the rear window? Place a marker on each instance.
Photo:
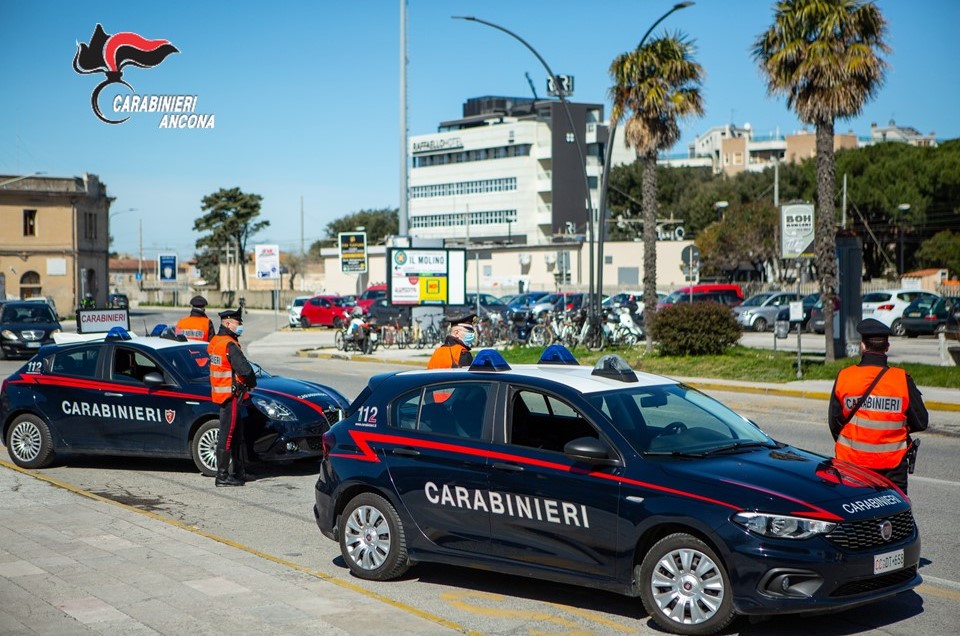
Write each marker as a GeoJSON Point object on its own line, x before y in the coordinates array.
{"type": "Point", "coordinates": [876, 297]}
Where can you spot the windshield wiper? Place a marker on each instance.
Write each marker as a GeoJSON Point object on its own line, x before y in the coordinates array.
{"type": "Point", "coordinates": [736, 446]}
{"type": "Point", "coordinates": [671, 454]}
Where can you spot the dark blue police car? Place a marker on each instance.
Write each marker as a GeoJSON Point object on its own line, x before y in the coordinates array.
{"type": "Point", "coordinates": [607, 478]}
{"type": "Point", "coordinates": [121, 394]}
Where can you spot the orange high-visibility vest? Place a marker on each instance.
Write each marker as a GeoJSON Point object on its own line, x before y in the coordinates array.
{"type": "Point", "coordinates": [194, 327]}
{"type": "Point", "coordinates": [876, 437]}
{"type": "Point", "coordinates": [221, 373]}
{"type": "Point", "coordinates": [446, 357]}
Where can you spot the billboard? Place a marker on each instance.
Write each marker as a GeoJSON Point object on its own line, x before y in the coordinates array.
{"type": "Point", "coordinates": [797, 223]}
{"type": "Point", "coordinates": [424, 276]}
{"type": "Point", "coordinates": [267, 260]}
{"type": "Point", "coordinates": [167, 268]}
{"type": "Point", "coordinates": [353, 252]}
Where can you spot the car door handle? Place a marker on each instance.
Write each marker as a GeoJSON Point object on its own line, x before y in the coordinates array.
{"type": "Point", "coordinates": [508, 467]}
{"type": "Point", "coordinates": [406, 452]}
{"type": "Point", "coordinates": [112, 394]}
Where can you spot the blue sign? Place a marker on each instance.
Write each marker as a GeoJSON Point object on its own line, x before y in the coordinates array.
{"type": "Point", "coordinates": [167, 265]}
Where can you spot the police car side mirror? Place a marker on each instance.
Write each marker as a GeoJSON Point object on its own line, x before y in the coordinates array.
{"type": "Point", "coordinates": [153, 379]}
{"type": "Point", "coordinates": [589, 450]}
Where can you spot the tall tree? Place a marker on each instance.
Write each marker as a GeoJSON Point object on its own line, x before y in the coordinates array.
{"type": "Point", "coordinates": [824, 55]}
{"type": "Point", "coordinates": [657, 84]}
{"type": "Point", "coordinates": [230, 220]}
{"type": "Point", "coordinates": [378, 224]}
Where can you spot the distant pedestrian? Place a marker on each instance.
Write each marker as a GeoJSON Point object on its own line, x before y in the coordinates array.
{"type": "Point", "coordinates": [455, 350]}
{"type": "Point", "coordinates": [874, 408]}
{"type": "Point", "coordinates": [231, 377]}
{"type": "Point", "coordinates": [196, 326]}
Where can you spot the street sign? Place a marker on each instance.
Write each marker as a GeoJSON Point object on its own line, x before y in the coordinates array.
{"type": "Point", "coordinates": [691, 256]}
{"type": "Point", "coordinates": [167, 266]}
{"type": "Point", "coordinates": [267, 260]}
{"type": "Point", "coordinates": [353, 252]}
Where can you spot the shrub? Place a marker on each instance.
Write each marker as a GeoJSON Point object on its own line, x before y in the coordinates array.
{"type": "Point", "coordinates": [695, 329]}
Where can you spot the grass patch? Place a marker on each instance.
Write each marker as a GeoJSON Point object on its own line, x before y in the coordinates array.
{"type": "Point", "coordinates": [741, 363]}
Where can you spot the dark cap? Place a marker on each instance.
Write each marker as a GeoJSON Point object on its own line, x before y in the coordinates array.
{"type": "Point", "coordinates": [198, 301]}
{"type": "Point", "coordinates": [872, 328]}
{"type": "Point", "coordinates": [236, 314]}
{"type": "Point", "coordinates": [464, 319]}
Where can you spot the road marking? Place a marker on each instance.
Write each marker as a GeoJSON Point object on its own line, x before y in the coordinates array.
{"type": "Point", "coordinates": [462, 601]}
{"type": "Point", "coordinates": [239, 546]}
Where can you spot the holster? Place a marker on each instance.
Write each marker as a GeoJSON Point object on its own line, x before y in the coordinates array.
{"type": "Point", "coordinates": [912, 455]}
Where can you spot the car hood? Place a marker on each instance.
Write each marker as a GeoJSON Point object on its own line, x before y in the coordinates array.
{"type": "Point", "coordinates": [299, 392]}
{"type": "Point", "coordinates": [790, 481]}
{"type": "Point", "coordinates": [29, 326]}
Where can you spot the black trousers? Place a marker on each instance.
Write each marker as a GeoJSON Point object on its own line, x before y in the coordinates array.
{"type": "Point", "coordinates": [897, 474]}
{"type": "Point", "coordinates": [230, 434]}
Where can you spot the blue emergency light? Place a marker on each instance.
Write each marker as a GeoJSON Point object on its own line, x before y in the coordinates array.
{"type": "Point", "coordinates": [614, 367]}
{"type": "Point", "coordinates": [558, 354]}
{"type": "Point", "coordinates": [489, 360]}
{"type": "Point", "coordinates": [117, 333]}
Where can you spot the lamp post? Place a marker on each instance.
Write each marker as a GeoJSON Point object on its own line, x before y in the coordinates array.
{"type": "Point", "coordinates": [720, 206]}
{"type": "Point", "coordinates": [903, 208]}
{"type": "Point", "coordinates": [608, 153]}
{"type": "Point", "coordinates": [591, 308]}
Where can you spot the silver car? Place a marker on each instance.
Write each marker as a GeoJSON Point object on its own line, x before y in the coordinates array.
{"type": "Point", "coordinates": [759, 312]}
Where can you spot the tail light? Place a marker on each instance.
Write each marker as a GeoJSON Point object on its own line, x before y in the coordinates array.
{"type": "Point", "coordinates": [930, 318]}
{"type": "Point", "coordinates": [327, 444]}
{"type": "Point", "coordinates": [885, 308]}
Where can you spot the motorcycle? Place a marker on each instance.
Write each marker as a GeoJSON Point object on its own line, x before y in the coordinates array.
{"type": "Point", "coordinates": [620, 327]}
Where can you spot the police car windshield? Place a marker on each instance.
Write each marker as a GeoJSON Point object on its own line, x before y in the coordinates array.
{"type": "Point", "coordinates": [677, 420]}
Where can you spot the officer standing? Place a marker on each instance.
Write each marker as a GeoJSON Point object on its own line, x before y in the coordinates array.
{"type": "Point", "coordinates": [231, 376]}
{"type": "Point", "coordinates": [874, 408]}
{"type": "Point", "coordinates": [196, 326]}
{"type": "Point", "coordinates": [455, 350]}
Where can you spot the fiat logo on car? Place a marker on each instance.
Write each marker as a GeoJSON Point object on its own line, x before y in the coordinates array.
{"type": "Point", "coordinates": [886, 530]}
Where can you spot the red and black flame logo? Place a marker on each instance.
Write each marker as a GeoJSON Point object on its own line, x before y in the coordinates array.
{"type": "Point", "coordinates": [109, 54]}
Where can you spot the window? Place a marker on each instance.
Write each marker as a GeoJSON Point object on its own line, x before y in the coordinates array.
{"type": "Point", "coordinates": [80, 362]}
{"type": "Point", "coordinates": [29, 222]}
{"type": "Point", "coordinates": [131, 365]}
{"type": "Point", "coordinates": [538, 420]}
{"type": "Point", "coordinates": [453, 409]}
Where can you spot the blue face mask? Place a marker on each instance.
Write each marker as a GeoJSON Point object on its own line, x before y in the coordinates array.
{"type": "Point", "coordinates": [238, 330]}
{"type": "Point", "coordinates": [469, 337]}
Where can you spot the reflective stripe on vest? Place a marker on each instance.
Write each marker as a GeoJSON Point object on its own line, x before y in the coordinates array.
{"type": "Point", "coordinates": [876, 437]}
{"type": "Point", "coordinates": [194, 327]}
{"type": "Point", "coordinates": [221, 373]}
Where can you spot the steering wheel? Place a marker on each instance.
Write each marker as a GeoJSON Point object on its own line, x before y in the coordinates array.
{"type": "Point", "coordinates": [673, 428]}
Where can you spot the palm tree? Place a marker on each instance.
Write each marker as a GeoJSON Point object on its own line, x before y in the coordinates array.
{"type": "Point", "coordinates": [824, 55]}
{"type": "Point", "coordinates": [657, 83]}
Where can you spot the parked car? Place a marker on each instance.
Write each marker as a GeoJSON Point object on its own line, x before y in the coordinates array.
{"type": "Point", "coordinates": [729, 294]}
{"type": "Point", "coordinates": [611, 479]}
{"type": "Point", "coordinates": [325, 311]}
{"type": "Point", "coordinates": [294, 309]}
{"type": "Point", "coordinates": [816, 322]}
{"type": "Point", "coordinates": [25, 326]}
{"type": "Point", "coordinates": [808, 302]}
{"type": "Point", "coordinates": [385, 314]}
{"type": "Point", "coordinates": [887, 306]}
{"type": "Point", "coordinates": [928, 315]}
{"type": "Point", "coordinates": [118, 301]}
{"type": "Point", "coordinates": [759, 312]}
{"type": "Point", "coordinates": [149, 396]}
{"type": "Point", "coordinates": [372, 293]}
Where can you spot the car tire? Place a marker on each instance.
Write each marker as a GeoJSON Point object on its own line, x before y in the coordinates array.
{"type": "Point", "coordinates": [372, 541]}
{"type": "Point", "coordinates": [685, 587]}
{"type": "Point", "coordinates": [203, 447]}
{"type": "Point", "coordinates": [304, 322]}
{"type": "Point", "coordinates": [760, 324]}
{"type": "Point", "coordinates": [939, 329]}
{"type": "Point", "coordinates": [29, 442]}
{"type": "Point", "coordinates": [897, 328]}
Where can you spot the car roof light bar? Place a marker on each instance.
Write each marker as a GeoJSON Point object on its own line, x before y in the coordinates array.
{"type": "Point", "coordinates": [558, 354]}
{"type": "Point", "coordinates": [117, 333]}
{"type": "Point", "coordinates": [614, 367]}
{"type": "Point", "coordinates": [489, 360]}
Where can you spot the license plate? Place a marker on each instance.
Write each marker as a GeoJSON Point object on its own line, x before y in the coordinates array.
{"type": "Point", "coordinates": [868, 311]}
{"type": "Point", "coordinates": [913, 314]}
{"type": "Point", "coordinates": [887, 562]}
{"type": "Point", "coordinates": [33, 345]}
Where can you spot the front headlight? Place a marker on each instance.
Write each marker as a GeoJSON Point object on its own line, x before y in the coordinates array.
{"type": "Point", "coordinates": [9, 335]}
{"type": "Point", "coordinates": [274, 410]}
{"type": "Point", "coordinates": [782, 526]}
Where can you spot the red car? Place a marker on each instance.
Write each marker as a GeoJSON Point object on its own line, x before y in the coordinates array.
{"type": "Point", "coordinates": [373, 292]}
{"type": "Point", "coordinates": [325, 310]}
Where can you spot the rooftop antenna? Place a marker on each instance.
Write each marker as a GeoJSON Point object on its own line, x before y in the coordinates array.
{"type": "Point", "coordinates": [532, 88]}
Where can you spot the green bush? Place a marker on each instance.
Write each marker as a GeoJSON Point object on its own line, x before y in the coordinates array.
{"type": "Point", "coordinates": [695, 329]}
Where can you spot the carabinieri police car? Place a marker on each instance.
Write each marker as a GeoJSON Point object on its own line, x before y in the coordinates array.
{"type": "Point", "coordinates": [607, 478]}
{"type": "Point", "coordinates": [122, 394]}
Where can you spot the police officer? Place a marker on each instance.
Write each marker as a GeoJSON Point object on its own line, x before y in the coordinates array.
{"type": "Point", "coordinates": [877, 435]}
{"type": "Point", "coordinates": [196, 326]}
{"type": "Point", "coordinates": [455, 350]}
{"type": "Point", "coordinates": [231, 376]}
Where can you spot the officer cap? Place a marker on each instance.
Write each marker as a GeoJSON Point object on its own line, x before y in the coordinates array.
{"type": "Point", "coordinates": [236, 314]}
{"type": "Point", "coordinates": [872, 328]}
{"type": "Point", "coordinates": [465, 319]}
{"type": "Point", "coordinates": [198, 301]}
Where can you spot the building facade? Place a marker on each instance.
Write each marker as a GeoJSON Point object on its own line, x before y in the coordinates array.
{"type": "Point", "coordinates": [55, 238]}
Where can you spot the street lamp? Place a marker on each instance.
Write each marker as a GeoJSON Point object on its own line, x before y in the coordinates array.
{"type": "Point", "coordinates": [591, 308]}
{"type": "Point", "coordinates": [4, 184]}
{"type": "Point", "coordinates": [720, 206]}
{"type": "Point", "coordinates": [608, 153]}
{"type": "Point", "coordinates": [903, 208]}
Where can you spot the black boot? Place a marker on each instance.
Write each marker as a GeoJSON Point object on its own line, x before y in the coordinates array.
{"type": "Point", "coordinates": [224, 478]}
{"type": "Point", "coordinates": [237, 466]}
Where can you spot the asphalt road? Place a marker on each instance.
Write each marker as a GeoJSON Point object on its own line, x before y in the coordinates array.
{"type": "Point", "coordinates": [273, 515]}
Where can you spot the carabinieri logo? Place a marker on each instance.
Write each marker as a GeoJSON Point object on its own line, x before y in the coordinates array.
{"type": "Point", "coordinates": [109, 54]}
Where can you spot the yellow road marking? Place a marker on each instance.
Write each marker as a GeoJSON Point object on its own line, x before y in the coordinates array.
{"type": "Point", "coordinates": [929, 588]}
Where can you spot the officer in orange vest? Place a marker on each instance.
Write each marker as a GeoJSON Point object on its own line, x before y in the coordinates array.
{"type": "Point", "coordinates": [875, 407]}
{"type": "Point", "coordinates": [455, 350]}
{"type": "Point", "coordinates": [196, 326]}
{"type": "Point", "coordinates": [231, 376]}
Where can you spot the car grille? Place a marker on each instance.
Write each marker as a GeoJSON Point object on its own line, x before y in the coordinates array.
{"type": "Point", "coordinates": [333, 416]}
{"type": "Point", "coordinates": [863, 586]}
{"type": "Point", "coordinates": [32, 334]}
{"type": "Point", "coordinates": [863, 535]}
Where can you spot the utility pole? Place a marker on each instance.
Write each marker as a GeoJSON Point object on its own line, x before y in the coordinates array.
{"type": "Point", "coordinates": [140, 258]}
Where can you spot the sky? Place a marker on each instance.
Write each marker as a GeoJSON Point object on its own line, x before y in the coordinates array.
{"type": "Point", "coordinates": [306, 95]}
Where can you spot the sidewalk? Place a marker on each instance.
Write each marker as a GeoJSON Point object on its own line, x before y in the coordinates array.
{"type": "Point", "coordinates": [75, 563]}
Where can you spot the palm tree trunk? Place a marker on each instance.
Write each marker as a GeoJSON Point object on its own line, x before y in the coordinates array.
{"type": "Point", "coordinates": [826, 241]}
{"type": "Point", "coordinates": [649, 190]}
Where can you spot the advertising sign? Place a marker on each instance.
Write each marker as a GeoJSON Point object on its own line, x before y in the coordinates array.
{"type": "Point", "coordinates": [797, 224]}
{"type": "Point", "coordinates": [167, 266]}
{"type": "Point", "coordinates": [267, 260]}
{"type": "Point", "coordinates": [101, 320]}
{"type": "Point", "coordinates": [426, 276]}
{"type": "Point", "coordinates": [353, 252]}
